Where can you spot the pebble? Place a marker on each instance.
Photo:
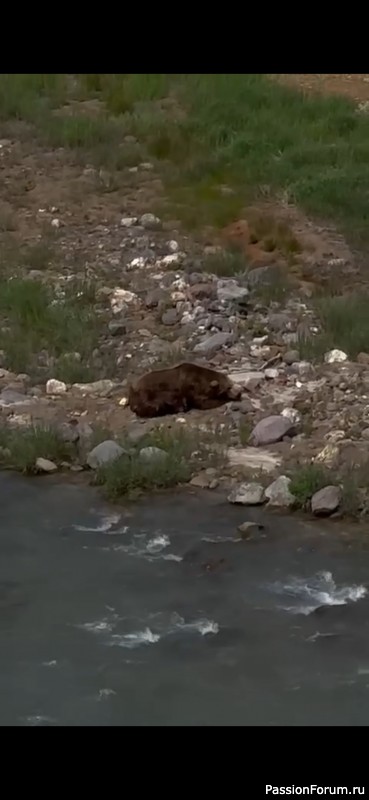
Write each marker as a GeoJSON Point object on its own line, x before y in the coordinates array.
{"type": "Point", "coordinates": [53, 386]}
{"type": "Point", "coordinates": [335, 356]}
{"type": "Point", "coordinates": [128, 222]}
{"type": "Point", "coordinates": [150, 222]}
{"type": "Point", "coordinates": [44, 465]}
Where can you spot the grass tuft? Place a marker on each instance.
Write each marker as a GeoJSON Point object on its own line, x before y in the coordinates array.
{"type": "Point", "coordinates": [20, 447]}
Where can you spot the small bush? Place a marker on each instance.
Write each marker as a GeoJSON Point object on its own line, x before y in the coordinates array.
{"type": "Point", "coordinates": [306, 480]}
{"type": "Point", "coordinates": [24, 445]}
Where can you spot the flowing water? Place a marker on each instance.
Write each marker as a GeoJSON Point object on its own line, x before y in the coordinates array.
{"type": "Point", "coordinates": [155, 615]}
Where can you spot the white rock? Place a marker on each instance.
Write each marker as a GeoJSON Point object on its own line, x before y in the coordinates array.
{"type": "Point", "coordinates": [228, 290]}
{"type": "Point", "coordinates": [153, 455]}
{"type": "Point", "coordinates": [120, 298]}
{"type": "Point", "coordinates": [137, 263]}
{"type": "Point", "coordinates": [127, 222]}
{"type": "Point", "coordinates": [150, 222]}
{"type": "Point", "coordinates": [247, 494]}
{"type": "Point", "coordinates": [54, 386]}
{"type": "Point", "coordinates": [104, 453]}
{"type": "Point", "coordinates": [326, 501]}
{"type": "Point", "coordinates": [173, 246]}
{"type": "Point", "coordinates": [253, 458]}
{"type": "Point", "coordinates": [55, 223]}
{"type": "Point", "coordinates": [292, 414]}
{"type": "Point", "coordinates": [96, 387]}
{"type": "Point", "coordinates": [271, 373]}
{"type": "Point", "coordinates": [44, 465]}
{"type": "Point", "coordinates": [329, 455]}
{"type": "Point", "coordinates": [173, 258]}
{"type": "Point", "coordinates": [334, 356]}
{"type": "Point", "coordinates": [279, 493]}
{"type": "Point", "coordinates": [249, 380]}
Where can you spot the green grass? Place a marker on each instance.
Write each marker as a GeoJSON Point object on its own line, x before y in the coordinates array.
{"type": "Point", "coordinates": [35, 318]}
{"type": "Point", "coordinates": [242, 130]}
{"type": "Point", "coordinates": [20, 447]}
{"type": "Point", "coordinates": [344, 324]}
{"type": "Point", "coordinates": [188, 451]}
{"type": "Point", "coordinates": [306, 480]}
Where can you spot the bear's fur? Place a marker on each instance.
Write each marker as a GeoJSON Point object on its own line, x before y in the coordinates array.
{"type": "Point", "coordinates": [180, 388]}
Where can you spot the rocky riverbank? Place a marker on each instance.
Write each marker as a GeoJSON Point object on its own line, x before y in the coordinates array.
{"type": "Point", "coordinates": [299, 433]}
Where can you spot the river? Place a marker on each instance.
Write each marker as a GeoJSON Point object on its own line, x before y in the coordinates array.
{"type": "Point", "coordinates": [153, 615]}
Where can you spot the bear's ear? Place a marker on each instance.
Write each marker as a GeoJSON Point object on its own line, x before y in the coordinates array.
{"type": "Point", "coordinates": [214, 384]}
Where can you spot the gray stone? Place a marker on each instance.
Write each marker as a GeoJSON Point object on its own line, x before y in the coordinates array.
{"type": "Point", "coordinates": [231, 290]}
{"type": "Point", "coordinates": [44, 465]}
{"type": "Point", "coordinates": [326, 501]}
{"type": "Point", "coordinates": [104, 453]}
{"type": "Point", "coordinates": [68, 432]}
{"type": "Point", "coordinates": [150, 222]}
{"type": "Point", "coordinates": [278, 493]}
{"type": "Point", "coordinates": [10, 397]}
{"type": "Point", "coordinates": [102, 387]}
{"type": "Point", "coordinates": [127, 222]}
{"type": "Point", "coordinates": [170, 317]}
{"type": "Point", "coordinates": [247, 494]}
{"type": "Point", "coordinates": [291, 357]}
{"type": "Point", "coordinates": [247, 529]}
{"type": "Point", "coordinates": [54, 386]}
{"type": "Point", "coordinates": [117, 327]}
{"type": "Point", "coordinates": [153, 455]}
{"type": "Point", "coordinates": [260, 275]}
{"type": "Point", "coordinates": [276, 322]}
{"type": "Point", "coordinates": [213, 343]}
{"type": "Point", "coordinates": [270, 430]}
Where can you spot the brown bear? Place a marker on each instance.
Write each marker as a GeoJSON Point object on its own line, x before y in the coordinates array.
{"type": "Point", "coordinates": [180, 388]}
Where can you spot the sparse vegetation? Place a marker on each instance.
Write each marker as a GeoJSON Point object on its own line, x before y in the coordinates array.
{"type": "Point", "coordinates": [344, 324]}
{"type": "Point", "coordinates": [238, 130]}
{"type": "Point", "coordinates": [20, 447]}
{"type": "Point", "coordinates": [226, 263]}
{"type": "Point", "coordinates": [36, 318]}
{"type": "Point", "coordinates": [306, 480]}
{"type": "Point", "coordinates": [188, 451]}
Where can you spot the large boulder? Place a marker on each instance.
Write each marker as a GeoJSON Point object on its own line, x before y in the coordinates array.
{"type": "Point", "coordinates": [326, 501]}
{"type": "Point", "coordinates": [104, 453]}
{"type": "Point", "coordinates": [270, 430]}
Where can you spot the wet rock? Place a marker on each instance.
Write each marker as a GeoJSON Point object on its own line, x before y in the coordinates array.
{"type": "Point", "coordinates": [326, 501]}
{"type": "Point", "coordinates": [153, 455]}
{"type": "Point", "coordinates": [117, 327]}
{"type": "Point", "coordinates": [291, 357]}
{"type": "Point", "coordinates": [213, 343]}
{"type": "Point", "coordinates": [247, 529]}
{"type": "Point", "coordinates": [335, 356]}
{"type": "Point", "coordinates": [278, 493]}
{"type": "Point", "coordinates": [270, 430]}
{"type": "Point", "coordinates": [247, 494]}
{"type": "Point", "coordinates": [101, 388]}
{"type": "Point", "coordinates": [104, 453]}
{"type": "Point", "coordinates": [180, 388]}
{"type": "Point", "coordinates": [170, 317]}
{"type": "Point", "coordinates": [54, 386]}
{"type": "Point", "coordinates": [150, 222]}
{"type": "Point", "coordinates": [44, 465]}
